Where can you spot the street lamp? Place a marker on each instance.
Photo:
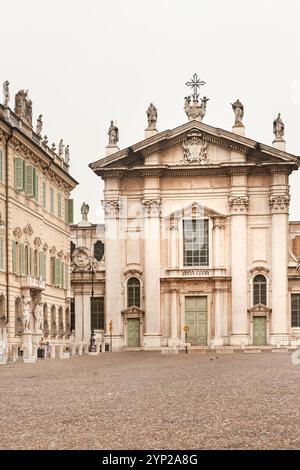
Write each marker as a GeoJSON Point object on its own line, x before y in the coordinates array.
{"type": "Point", "coordinates": [92, 346]}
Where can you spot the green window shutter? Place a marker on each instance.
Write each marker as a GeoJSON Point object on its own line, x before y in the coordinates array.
{"type": "Point", "coordinates": [66, 211]}
{"type": "Point", "coordinates": [52, 265]}
{"type": "Point", "coordinates": [22, 258]}
{"type": "Point", "coordinates": [14, 256]}
{"type": "Point", "coordinates": [1, 254]}
{"type": "Point", "coordinates": [67, 275]}
{"type": "Point", "coordinates": [19, 173]}
{"type": "Point", "coordinates": [44, 195]}
{"type": "Point", "coordinates": [44, 268]}
{"type": "Point", "coordinates": [52, 200]}
{"type": "Point", "coordinates": [1, 165]}
{"type": "Point", "coordinates": [62, 279]}
{"type": "Point", "coordinates": [59, 205]}
{"type": "Point", "coordinates": [35, 185]}
{"type": "Point", "coordinates": [29, 178]}
{"type": "Point", "coordinates": [57, 272]}
{"type": "Point", "coordinates": [70, 211]}
{"type": "Point", "coordinates": [31, 261]}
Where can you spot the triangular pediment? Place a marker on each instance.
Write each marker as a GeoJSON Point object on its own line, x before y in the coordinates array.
{"type": "Point", "coordinates": [253, 153]}
{"type": "Point", "coordinates": [195, 209]}
{"type": "Point", "coordinates": [259, 308]}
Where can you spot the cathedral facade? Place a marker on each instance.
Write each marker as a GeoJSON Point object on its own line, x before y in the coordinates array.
{"type": "Point", "coordinates": [198, 244]}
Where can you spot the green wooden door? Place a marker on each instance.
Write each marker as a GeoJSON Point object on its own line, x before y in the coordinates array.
{"type": "Point", "coordinates": [133, 332]}
{"type": "Point", "coordinates": [196, 319]}
{"type": "Point", "coordinates": [259, 331]}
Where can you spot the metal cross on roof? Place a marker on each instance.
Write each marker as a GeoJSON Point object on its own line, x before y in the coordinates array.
{"type": "Point", "coordinates": [195, 83]}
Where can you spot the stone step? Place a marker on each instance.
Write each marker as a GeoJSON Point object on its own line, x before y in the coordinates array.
{"type": "Point", "coordinates": [169, 351]}
{"type": "Point", "coordinates": [252, 351]}
{"type": "Point", "coordinates": [197, 350]}
{"type": "Point", "coordinates": [280, 350]}
{"type": "Point", "coordinates": [224, 351]}
{"type": "Point", "coordinates": [30, 359]}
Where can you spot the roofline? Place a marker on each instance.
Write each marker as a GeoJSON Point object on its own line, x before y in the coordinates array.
{"type": "Point", "coordinates": [168, 134]}
{"type": "Point", "coordinates": [17, 130]}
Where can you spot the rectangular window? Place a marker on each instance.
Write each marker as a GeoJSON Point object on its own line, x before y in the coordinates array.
{"type": "Point", "coordinates": [52, 270]}
{"type": "Point", "coordinates": [70, 211]}
{"type": "Point", "coordinates": [29, 177]}
{"type": "Point", "coordinates": [35, 185]}
{"type": "Point", "coordinates": [1, 165]}
{"type": "Point", "coordinates": [62, 276]}
{"type": "Point", "coordinates": [295, 310]}
{"type": "Point", "coordinates": [1, 253]}
{"type": "Point", "coordinates": [19, 173]}
{"type": "Point", "coordinates": [97, 313]}
{"type": "Point", "coordinates": [59, 205]}
{"type": "Point", "coordinates": [22, 258]}
{"type": "Point", "coordinates": [43, 266]}
{"type": "Point", "coordinates": [57, 272]}
{"type": "Point", "coordinates": [44, 195]}
{"type": "Point", "coordinates": [195, 242]}
{"type": "Point", "coordinates": [14, 256]}
{"type": "Point", "coordinates": [52, 200]}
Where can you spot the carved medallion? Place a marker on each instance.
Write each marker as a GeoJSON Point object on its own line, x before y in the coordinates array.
{"type": "Point", "coordinates": [195, 149]}
{"type": "Point", "coordinates": [81, 258]}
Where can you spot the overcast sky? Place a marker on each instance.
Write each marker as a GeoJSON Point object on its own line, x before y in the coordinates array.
{"type": "Point", "coordinates": [87, 62]}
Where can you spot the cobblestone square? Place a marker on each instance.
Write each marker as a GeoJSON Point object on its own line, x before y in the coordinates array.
{"type": "Point", "coordinates": [145, 400]}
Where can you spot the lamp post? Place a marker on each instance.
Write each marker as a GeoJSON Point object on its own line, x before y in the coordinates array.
{"type": "Point", "coordinates": [110, 327]}
{"type": "Point", "coordinates": [92, 346]}
{"type": "Point", "coordinates": [186, 329]}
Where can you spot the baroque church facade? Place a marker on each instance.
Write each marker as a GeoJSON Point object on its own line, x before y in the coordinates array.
{"type": "Point", "coordinates": [197, 243]}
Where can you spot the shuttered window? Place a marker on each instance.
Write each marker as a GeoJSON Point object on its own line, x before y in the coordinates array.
{"type": "Point", "coordinates": [43, 266]}
{"type": "Point", "coordinates": [59, 212]}
{"type": "Point", "coordinates": [52, 200]}
{"type": "Point", "coordinates": [1, 253]}
{"type": "Point", "coordinates": [1, 165]}
{"type": "Point", "coordinates": [67, 275]}
{"type": "Point", "coordinates": [62, 278]}
{"type": "Point", "coordinates": [70, 211]}
{"type": "Point", "coordinates": [44, 195]}
{"type": "Point", "coordinates": [57, 272]}
{"type": "Point", "coordinates": [14, 256]}
{"type": "Point", "coordinates": [36, 185]}
{"type": "Point", "coordinates": [29, 177]}
{"type": "Point", "coordinates": [22, 258]}
{"type": "Point", "coordinates": [52, 270]}
{"type": "Point", "coordinates": [19, 173]}
{"type": "Point", "coordinates": [295, 310]}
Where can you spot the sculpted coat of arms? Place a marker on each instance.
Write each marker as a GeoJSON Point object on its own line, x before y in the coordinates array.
{"type": "Point", "coordinates": [195, 149]}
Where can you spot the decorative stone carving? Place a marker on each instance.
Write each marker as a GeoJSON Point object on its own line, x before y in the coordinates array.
{"type": "Point", "coordinates": [6, 95]}
{"type": "Point", "coordinates": [152, 206]}
{"type": "Point", "coordinates": [37, 313]}
{"type": "Point", "coordinates": [98, 250]}
{"type": "Point", "coordinates": [17, 233]}
{"type": "Point", "coordinates": [278, 129]}
{"type": "Point", "coordinates": [60, 254]}
{"type": "Point", "coordinates": [45, 140]}
{"type": "Point", "coordinates": [28, 231]}
{"type": "Point", "coordinates": [53, 251]}
{"type": "Point", "coordinates": [152, 117]}
{"type": "Point", "coordinates": [23, 107]}
{"type": "Point", "coordinates": [61, 148]}
{"type": "Point", "coordinates": [85, 208]}
{"type": "Point", "coordinates": [113, 133]}
{"type": "Point", "coordinates": [45, 247]}
{"type": "Point", "coordinates": [67, 154]}
{"type": "Point", "coordinates": [111, 207]}
{"type": "Point", "coordinates": [192, 107]}
{"type": "Point", "coordinates": [37, 241]}
{"type": "Point", "coordinates": [39, 125]}
{"type": "Point", "coordinates": [195, 149]}
{"type": "Point", "coordinates": [26, 302]}
{"type": "Point", "coordinates": [238, 204]}
{"type": "Point", "coordinates": [53, 147]}
{"type": "Point", "coordinates": [238, 110]}
{"type": "Point", "coordinates": [280, 202]}
{"type": "Point", "coordinates": [81, 259]}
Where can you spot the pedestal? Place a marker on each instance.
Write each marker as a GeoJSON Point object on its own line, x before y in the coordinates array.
{"type": "Point", "coordinates": [150, 132]}
{"type": "Point", "coordinates": [279, 144]}
{"type": "Point", "coordinates": [110, 149]}
{"type": "Point", "coordinates": [27, 345]}
{"type": "Point", "coordinates": [240, 130]}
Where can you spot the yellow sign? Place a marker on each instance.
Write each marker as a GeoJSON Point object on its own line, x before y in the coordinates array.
{"type": "Point", "coordinates": [110, 326]}
{"type": "Point", "coordinates": [186, 328]}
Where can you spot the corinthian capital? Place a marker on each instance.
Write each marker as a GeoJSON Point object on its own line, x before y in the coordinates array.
{"type": "Point", "coordinates": [152, 206]}
{"type": "Point", "coordinates": [280, 203]}
{"type": "Point", "coordinates": [111, 207]}
{"type": "Point", "coordinates": [238, 204]}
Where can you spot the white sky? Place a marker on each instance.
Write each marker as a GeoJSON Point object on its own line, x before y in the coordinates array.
{"type": "Point", "coordinates": [87, 62]}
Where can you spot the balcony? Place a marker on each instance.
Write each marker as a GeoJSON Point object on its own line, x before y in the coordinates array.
{"type": "Point", "coordinates": [30, 282]}
{"type": "Point", "coordinates": [184, 273]}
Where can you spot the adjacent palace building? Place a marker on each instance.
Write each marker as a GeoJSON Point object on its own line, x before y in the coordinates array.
{"type": "Point", "coordinates": [35, 212]}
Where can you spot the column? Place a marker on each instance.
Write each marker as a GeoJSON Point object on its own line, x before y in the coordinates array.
{"type": "Point", "coordinates": [113, 273]}
{"type": "Point", "coordinates": [239, 322]}
{"type": "Point", "coordinates": [86, 318]}
{"type": "Point", "coordinates": [218, 229]}
{"type": "Point", "coordinates": [78, 306]}
{"type": "Point", "coordinates": [152, 337]}
{"type": "Point", "coordinates": [279, 204]}
{"type": "Point", "coordinates": [174, 341]}
{"type": "Point", "coordinates": [218, 340]}
{"type": "Point", "coordinates": [173, 244]}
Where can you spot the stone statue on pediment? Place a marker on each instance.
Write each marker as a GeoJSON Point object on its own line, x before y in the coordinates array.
{"type": "Point", "coordinates": [113, 133]}
{"type": "Point", "coordinates": [67, 154]}
{"type": "Point", "coordinates": [6, 93]}
{"type": "Point", "coordinates": [61, 148]}
{"type": "Point", "coordinates": [238, 110]}
{"type": "Point", "coordinates": [23, 107]}
{"type": "Point", "coordinates": [39, 125]}
{"type": "Point", "coordinates": [278, 128]}
{"type": "Point", "coordinates": [85, 208]}
{"type": "Point", "coordinates": [152, 116]}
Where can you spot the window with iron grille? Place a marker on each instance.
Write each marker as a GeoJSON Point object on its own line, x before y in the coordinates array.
{"type": "Point", "coordinates": [296, 310]}
{"type": "Point", "coordinates": [259, 290]}
{"type": "Point", "coordinates": [97, 313]}
{"type": "Point", "coordinates": [195, 242]}
{"type": "Point", "coordinates": [133, 292]}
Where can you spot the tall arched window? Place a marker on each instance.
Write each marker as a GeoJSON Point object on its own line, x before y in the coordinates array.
{"type": "Point", "coordinates": [259, 290]}
{"type": "Point", "coordinates": [133, 292]}
{"type": "Point", "coordinates": [61, 328]}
